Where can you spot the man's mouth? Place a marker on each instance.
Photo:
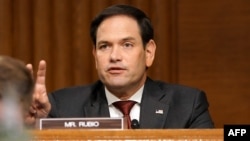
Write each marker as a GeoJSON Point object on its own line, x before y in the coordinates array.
{"type": "Point", "coordinates": [115, 70]}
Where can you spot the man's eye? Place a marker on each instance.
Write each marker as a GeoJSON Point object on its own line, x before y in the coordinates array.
{"type": "Point", "coordinates": [103, 46]}
{"type": "Point", "coordinates": [128, 45]}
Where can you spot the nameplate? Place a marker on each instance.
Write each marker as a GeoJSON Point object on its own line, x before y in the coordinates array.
{"type": "Point", "coordinates": [80, 123]}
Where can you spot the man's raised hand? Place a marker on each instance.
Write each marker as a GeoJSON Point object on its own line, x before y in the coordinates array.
{"type": "Point", "coordinates": [40, 106]}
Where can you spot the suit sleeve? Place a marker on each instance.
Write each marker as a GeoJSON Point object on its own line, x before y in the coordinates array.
{"type": "Point", "coordinates": [200, 114]}
{"type": "Point", "coordinates": [52, 113]}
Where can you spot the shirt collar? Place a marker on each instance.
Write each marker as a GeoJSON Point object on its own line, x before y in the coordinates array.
{"type": "Point", "coordinates": [111, 98]}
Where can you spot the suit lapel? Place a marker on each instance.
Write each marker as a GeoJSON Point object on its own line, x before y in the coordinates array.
{"type": "Point", "coordinates": [97, 106]}
{"type": "Point", "coordinates": [154, 109]}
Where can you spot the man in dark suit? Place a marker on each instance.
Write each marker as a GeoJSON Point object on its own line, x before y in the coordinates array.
{"type": "Point", "coordinates": [123, 50]}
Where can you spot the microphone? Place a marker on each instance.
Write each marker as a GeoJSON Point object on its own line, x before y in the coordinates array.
{"type": "Point", "coordinates": [135, 124]}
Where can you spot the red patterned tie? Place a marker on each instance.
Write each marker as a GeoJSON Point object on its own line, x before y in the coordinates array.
{"type": "Point", "coordinates": [125, 107]}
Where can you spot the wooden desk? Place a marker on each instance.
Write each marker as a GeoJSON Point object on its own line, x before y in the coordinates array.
{"type": "Point", "coordinates": [166, 134]}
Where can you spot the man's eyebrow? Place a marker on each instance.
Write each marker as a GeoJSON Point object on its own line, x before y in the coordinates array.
{"type": "Point", "coordinates": [128, 38]}
{"type": "Point", "coordinates": [102, 42]}
{"type": "Point", "coordinates": [123, 39]}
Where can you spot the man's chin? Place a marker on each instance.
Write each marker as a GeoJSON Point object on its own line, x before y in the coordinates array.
{"type": "Point", "coordinates": [115, 85]}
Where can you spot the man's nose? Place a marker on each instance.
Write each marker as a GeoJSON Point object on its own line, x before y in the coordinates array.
{"type": "Point", "coordinates": [116, 54]}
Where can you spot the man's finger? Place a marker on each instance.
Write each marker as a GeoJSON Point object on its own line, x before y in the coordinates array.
{"type": "Point", "coordinates": [30, 68]}
{"type": "Point", "coordinates": [41, 73]}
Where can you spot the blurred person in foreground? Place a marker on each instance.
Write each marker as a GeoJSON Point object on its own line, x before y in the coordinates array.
{"type": "Point", "coordinates": [16, 89]}
{"type": "Point", "coordinates": [124, 49]}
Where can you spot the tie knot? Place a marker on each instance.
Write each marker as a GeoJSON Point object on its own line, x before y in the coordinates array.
{"type": "Point", "coordinates": [124, 106]}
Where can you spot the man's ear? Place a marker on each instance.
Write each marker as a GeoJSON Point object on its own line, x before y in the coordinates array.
{"type": "Point", "coordinates": [94, 54]}
{"type": "Point", "coordinates": [150, 52]}
{"type": "Point", "coordinates": [93, 51]}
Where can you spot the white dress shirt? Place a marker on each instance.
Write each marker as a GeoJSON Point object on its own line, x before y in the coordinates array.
{"type": "Point", "coordinates": [135, 111]}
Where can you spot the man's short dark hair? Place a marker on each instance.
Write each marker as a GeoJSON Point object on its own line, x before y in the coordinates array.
{"type": "Point", "coordinates": [146, 29]}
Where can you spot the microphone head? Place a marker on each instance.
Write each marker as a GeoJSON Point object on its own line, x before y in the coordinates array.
{"type": "Point", "coordinates": [135, 124]}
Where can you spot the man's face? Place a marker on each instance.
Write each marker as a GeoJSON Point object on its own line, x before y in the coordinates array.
{"type": "Point", "coordinates": [121, 59]}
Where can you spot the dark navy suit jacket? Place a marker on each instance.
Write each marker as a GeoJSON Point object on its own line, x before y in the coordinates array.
{"type": "Point", "coordinates": [163, 105]}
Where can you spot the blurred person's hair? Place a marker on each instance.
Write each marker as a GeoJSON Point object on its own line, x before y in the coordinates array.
{"type": "Point", "coordinates": [15, 81]}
